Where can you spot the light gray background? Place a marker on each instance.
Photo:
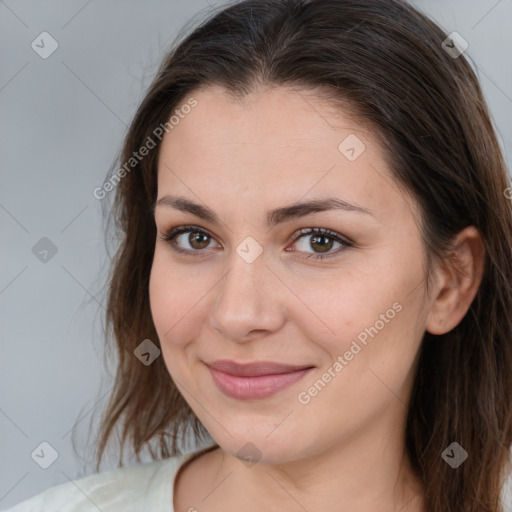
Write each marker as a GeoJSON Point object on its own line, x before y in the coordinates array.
{"type": "Point", "coordinates": [62, 122]}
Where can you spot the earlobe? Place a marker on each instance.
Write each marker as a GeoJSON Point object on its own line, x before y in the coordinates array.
{"type": "Point", "coordinates": [460, 276]}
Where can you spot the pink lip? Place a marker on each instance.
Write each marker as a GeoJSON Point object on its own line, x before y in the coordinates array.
{"type": "Point", "coordinates": [254, 380]}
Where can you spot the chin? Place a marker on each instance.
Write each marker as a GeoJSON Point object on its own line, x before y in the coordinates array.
{"type": "Point", "coordinates": [257, 448]}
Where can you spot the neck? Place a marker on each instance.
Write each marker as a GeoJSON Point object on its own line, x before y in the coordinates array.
{"type": "Point", "coordinates": [367, 471]}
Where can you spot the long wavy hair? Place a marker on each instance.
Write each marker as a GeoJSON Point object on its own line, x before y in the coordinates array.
{"type": "Point", "coordinates": [389, 65]}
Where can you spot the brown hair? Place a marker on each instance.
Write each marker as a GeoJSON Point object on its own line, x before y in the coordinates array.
{"type": "Point", "coordinates": [386, 61]}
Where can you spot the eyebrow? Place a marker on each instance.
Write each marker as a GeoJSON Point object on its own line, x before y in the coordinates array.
{"type": "Point", "coordinates": [274, 217]}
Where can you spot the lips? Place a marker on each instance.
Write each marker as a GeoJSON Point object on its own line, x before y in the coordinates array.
{"type": "Point", "coordinates": [254, 380]}
{"type": "Point", "coordinates": [254, 369]}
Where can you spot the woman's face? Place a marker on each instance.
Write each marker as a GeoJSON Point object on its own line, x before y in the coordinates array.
{"type": "Point", "coordinates": [251, 287]}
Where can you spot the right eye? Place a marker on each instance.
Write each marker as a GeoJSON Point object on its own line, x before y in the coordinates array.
{"type": "Point", "coordinates": [197, 239]}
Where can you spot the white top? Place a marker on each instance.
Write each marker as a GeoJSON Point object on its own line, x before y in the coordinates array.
{"type": "Point", "coordinates": [145, 487]}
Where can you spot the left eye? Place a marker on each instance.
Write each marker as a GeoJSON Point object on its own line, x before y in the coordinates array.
{"type": "Point", "coordinates": [321, 240]}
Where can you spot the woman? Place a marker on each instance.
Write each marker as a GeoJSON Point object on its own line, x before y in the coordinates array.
{"type": "Point", "coordinates": [314, 273]}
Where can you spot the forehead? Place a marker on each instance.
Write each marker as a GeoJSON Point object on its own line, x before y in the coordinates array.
{"type": "Point", "coordinates": [278, 143]}
{"type": "Point", "coordinates": [274, 116]}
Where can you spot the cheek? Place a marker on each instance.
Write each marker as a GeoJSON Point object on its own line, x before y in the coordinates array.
{"type": "Point", "coordinates": [370, 321]}
{"type": "Point", "coordinates": [169, 298]}
{"type": "Point", "coordinates": [376, 357]}
{"type": "Point", "coordinates": [172, 291]}
{"type": "Point", "coordinates": [178, 302]}
{"type": "Point", "coordinates": [338, 307]}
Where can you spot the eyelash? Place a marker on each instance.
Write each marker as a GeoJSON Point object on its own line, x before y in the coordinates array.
{"type": "Point", "coordinates": [173, 233]}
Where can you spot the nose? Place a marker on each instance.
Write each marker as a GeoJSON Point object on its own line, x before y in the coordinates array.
{"type": "Point", "coordinates": [250, 301]}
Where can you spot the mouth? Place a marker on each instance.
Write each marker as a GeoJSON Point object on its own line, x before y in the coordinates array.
{"type": "Point", "coordinates": [255, 381]}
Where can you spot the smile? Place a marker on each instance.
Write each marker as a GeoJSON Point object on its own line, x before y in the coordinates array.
{"type": "Point", "coordinates": [256, 386]}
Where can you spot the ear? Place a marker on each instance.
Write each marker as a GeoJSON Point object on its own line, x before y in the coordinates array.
{"type": "Point", "coordinates": [459, 277]}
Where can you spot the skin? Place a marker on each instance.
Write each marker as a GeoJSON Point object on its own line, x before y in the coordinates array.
{"type": "Point", "coordinates": [344, 450]}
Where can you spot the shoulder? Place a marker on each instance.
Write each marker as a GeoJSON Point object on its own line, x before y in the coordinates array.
{"type": "Point", "coordinates": [121, 489]}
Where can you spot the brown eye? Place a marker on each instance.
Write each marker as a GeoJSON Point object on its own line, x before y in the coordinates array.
{"type": "Point", "coordinates": [188, 240]}
{"type": "Point", "coordinates": [201, 239]}
{"type": "Point", "coordinates": [192, 240]}
{"type": "Point", "coordinates": [321, 242]}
